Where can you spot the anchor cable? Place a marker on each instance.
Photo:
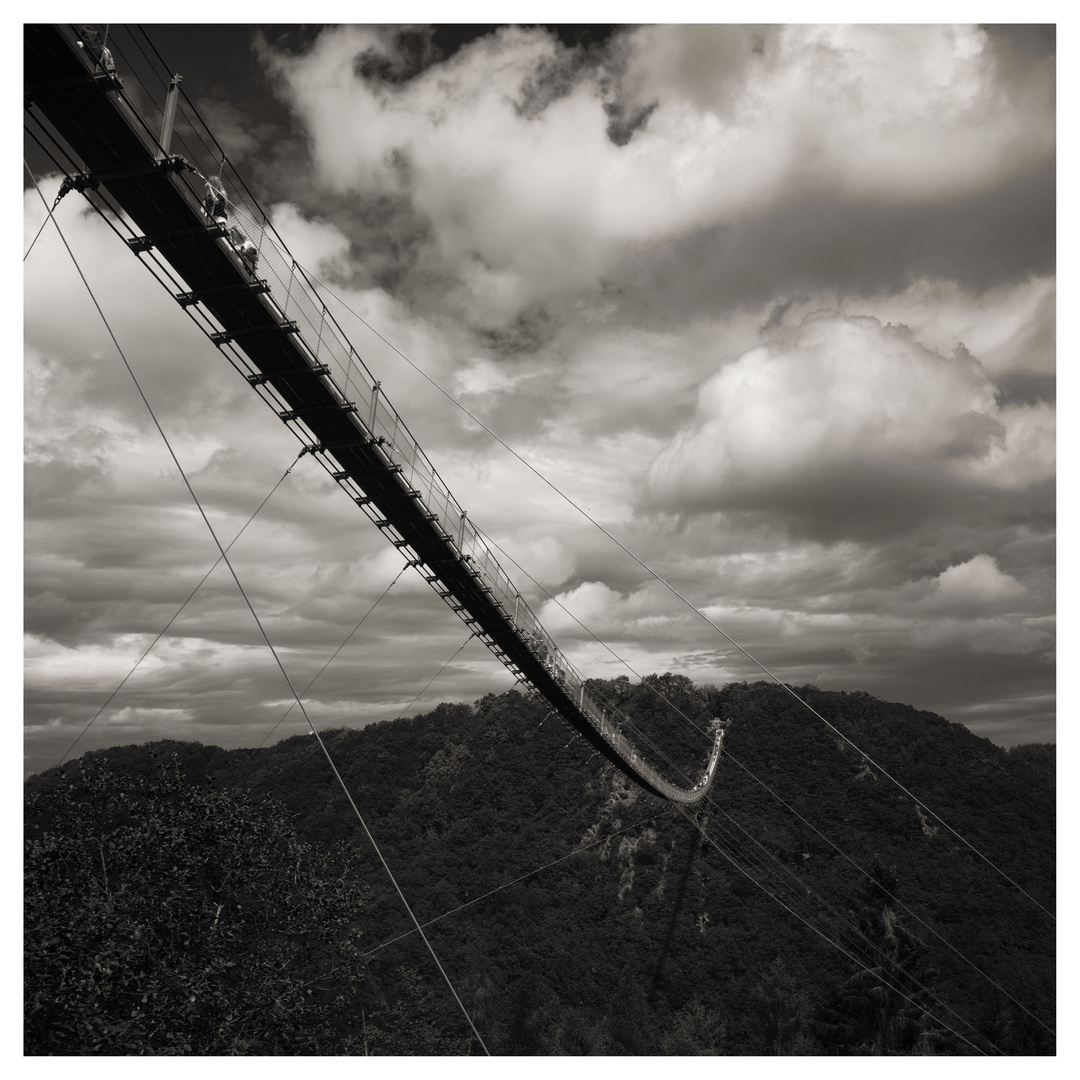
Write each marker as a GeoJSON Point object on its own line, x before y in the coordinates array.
{"type": "Point", "coordinates": [266, 638]}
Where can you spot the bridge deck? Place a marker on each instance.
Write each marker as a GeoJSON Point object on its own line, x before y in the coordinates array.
{"type": "Point", "coordinates": [290, 347]}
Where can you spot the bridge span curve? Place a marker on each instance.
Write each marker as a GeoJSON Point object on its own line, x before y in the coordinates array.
{"type": "Point", "coordinates": [135, 147]}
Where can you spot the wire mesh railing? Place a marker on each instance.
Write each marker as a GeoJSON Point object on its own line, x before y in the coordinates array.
{"type": "Point", "coordinates": [223, 197]}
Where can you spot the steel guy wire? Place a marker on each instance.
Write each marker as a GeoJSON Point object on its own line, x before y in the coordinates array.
{"type": "Point", "coordinates": [671, 588]}
{"type": "Point", "coordinates": [269, 644]}
{"type": "Point", "coordinates": [303, 692]}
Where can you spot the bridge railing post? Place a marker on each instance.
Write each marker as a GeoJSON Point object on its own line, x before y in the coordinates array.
{"type": "Point", "coordinates": [318, 340]}
{"type": "Point", "coordinates": [374, 405]}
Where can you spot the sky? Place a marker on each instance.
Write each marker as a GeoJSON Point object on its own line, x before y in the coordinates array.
{"type": "Point", "coordinates": [774, 304]}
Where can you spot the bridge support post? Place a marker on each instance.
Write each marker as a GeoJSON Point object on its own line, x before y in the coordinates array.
{"type": "Point", "coordinates": [170, 117]}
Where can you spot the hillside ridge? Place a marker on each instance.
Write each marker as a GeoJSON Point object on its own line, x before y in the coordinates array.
{"type": "Point", "coordinates": [637, 913]}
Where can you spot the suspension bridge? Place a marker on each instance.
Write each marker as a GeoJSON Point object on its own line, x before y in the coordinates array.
{"type": "Point", "coordinates": [133, 144]}
{"type": "Point", "coordinates": [116, 123]}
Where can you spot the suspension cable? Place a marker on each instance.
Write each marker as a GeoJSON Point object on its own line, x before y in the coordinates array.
{"type": "Point", "coordinates": [401, 715]}
{"type": "Point", "coordinates": [175, 616]}
{"type": "Point", "coordinates": [49, 210]}
{"type": "Point", "coordinates": [686, 813]}
{"type": "Point", "coordinates": [671, 588]}
{"type": "Point", "coordinates": [48, 216]}
{"type": "Point", "coordinates": [333, 655]}
{"type": "Point", "coordinates": [762, 783]}
{"type": "Point", "coordinates": [265, 636]}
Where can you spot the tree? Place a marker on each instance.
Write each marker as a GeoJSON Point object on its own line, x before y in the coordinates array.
{"type": "Point", "coordinates": [883, 1007]}
{"type": "Point", "coordinates": [417, 1022]}
{"type": "Point", "coordinates": [694, 1030]}
{"type": "Point", "coordinates": [162, 918]}
{"type": "Point", "coordinates": [781, 1008]}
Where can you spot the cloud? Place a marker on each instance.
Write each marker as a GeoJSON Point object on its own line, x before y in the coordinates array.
{"type": "Point", "coordinates": [849, 127]}
{"type": "Point", "coordinates": [978, 579]}
{"type": "Point", "coordinates": [705, 68]}
{"type": "Point", "coordinates": [774, 305]}
{"type": "Point", "coordinates": [901, 113]}
{"type": "Point", "coordinates": [73, 360]}
{"type": "Point", "coordinates": [237, 131]}
{"type": "Point", "coordinates": [998, 636]}
{"type": "Point", "coordinates": [318, 246]}
{"type": "Point", "coordinates": [643, 613]}
{"type": "Point", "coordinates": [843, 409]}
{"type": "Point", "coordinates": [1010, 329]}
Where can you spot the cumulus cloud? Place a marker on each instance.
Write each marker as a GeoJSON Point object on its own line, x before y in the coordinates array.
{"type": "Point", "coordinates": [527, 204]}
{"type": "Point", "coordinates": [843, 407]}
{"type": "Point", "coordinates": [897, 113]}
{"type": "Point", "coordinates": [978, 579]}
{"type": "Point", "coordinates": [643, 613]}
{"type": "Point", "coordinates": [1010, 329]}
{"type": "Point", "coordinates": [319, 246]}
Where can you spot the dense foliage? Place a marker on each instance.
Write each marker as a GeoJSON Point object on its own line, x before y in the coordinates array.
{"type": "Point", "coordinates": [163, 918]}
{"type": "Point", "coordinates": [801, 911]}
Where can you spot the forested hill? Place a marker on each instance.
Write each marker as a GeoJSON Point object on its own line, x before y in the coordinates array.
{"type": "Point", "coordinates": [160, 875]}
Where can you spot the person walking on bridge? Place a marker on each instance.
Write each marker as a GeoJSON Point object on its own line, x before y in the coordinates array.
{"type": "Point", "coordinates": [215, 202]}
